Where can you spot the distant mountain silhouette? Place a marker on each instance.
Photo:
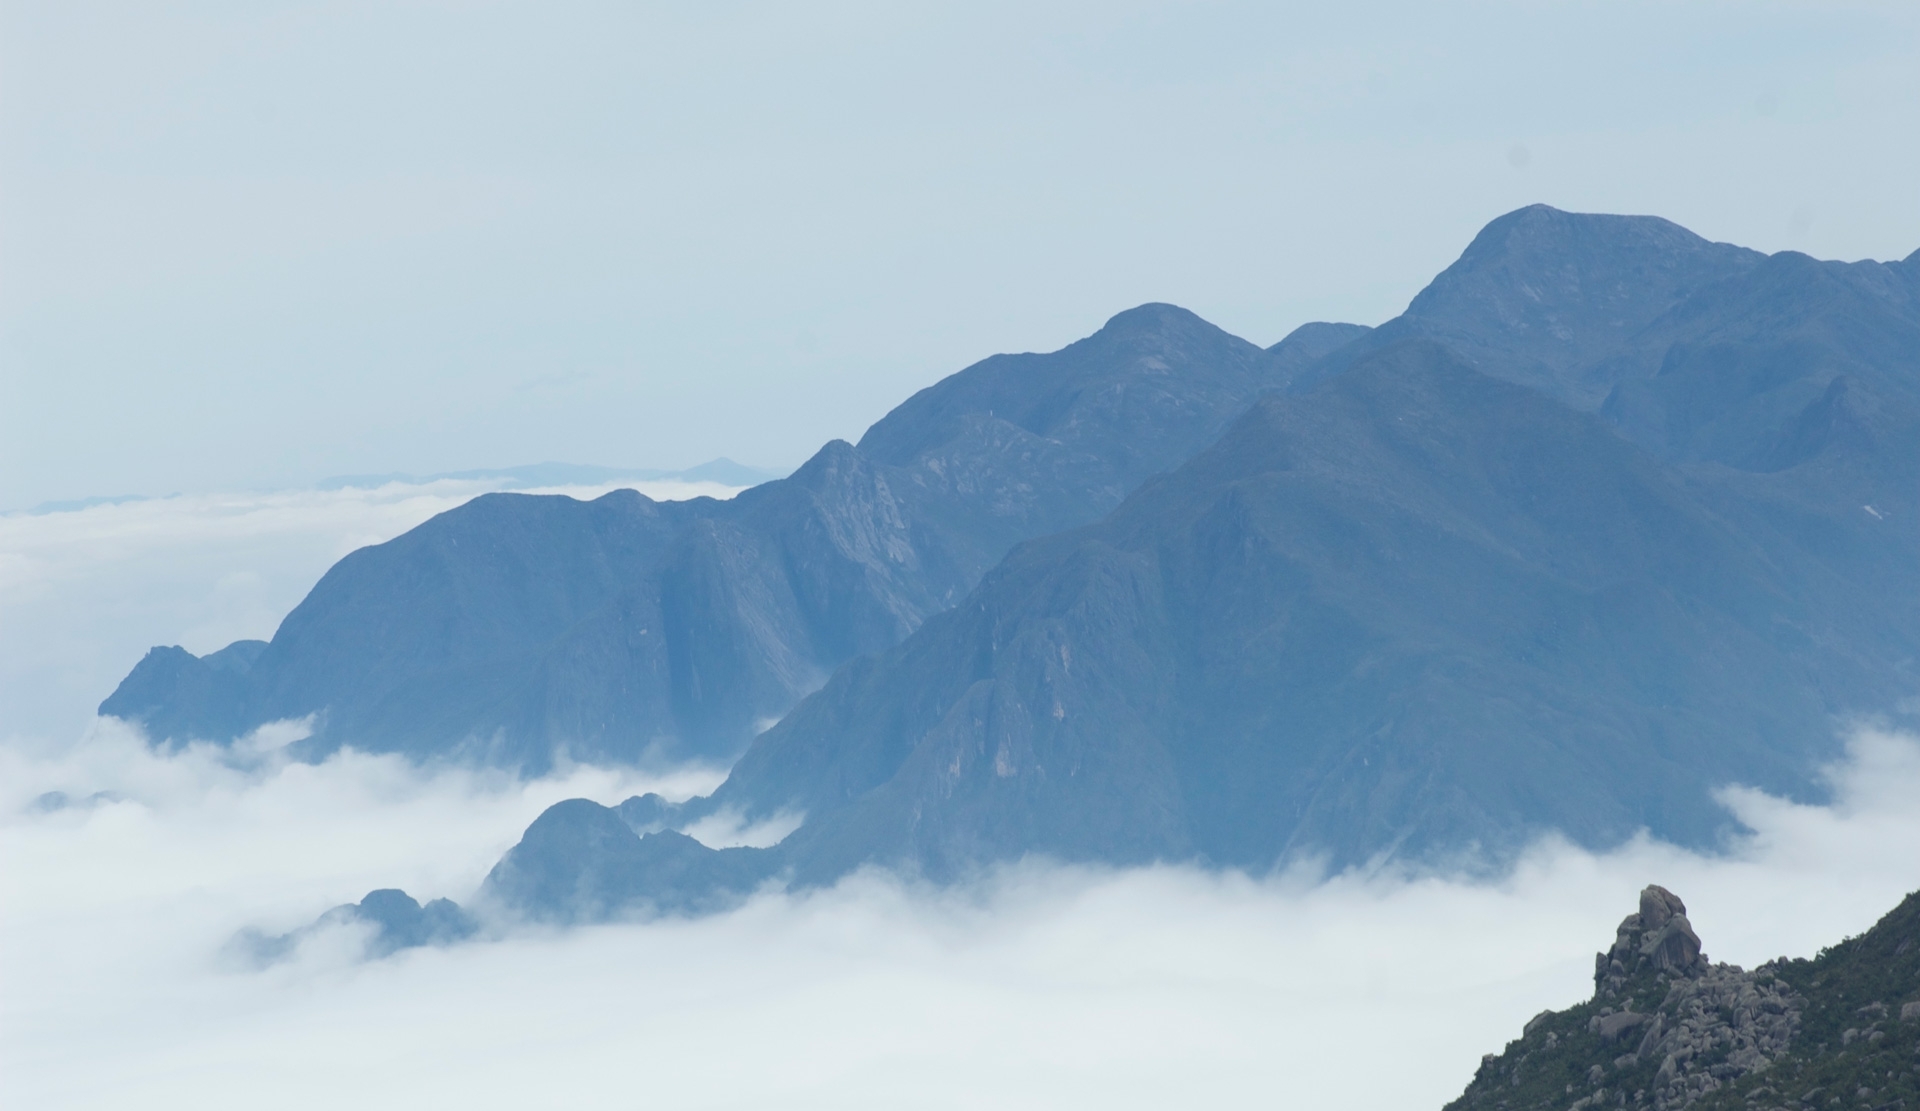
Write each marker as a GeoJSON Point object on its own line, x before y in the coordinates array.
{"type": "Point", "coordinates": [517, 628]}
{"type": "Point", "coordinates": [1417, 608]}
{"type": "Point", "coordinates": [1610, 517]}
{"type": "Point", "coordinates": [1434, 601]}
{"type": "Point", "coordinates": [1305, 347]}
{"type": "Point", "coordinates": [1767, 370]}
{"type": "Point", "coordinates": [1544, 298]}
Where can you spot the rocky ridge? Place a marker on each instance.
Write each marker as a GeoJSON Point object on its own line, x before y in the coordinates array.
{"type": "Point", "coordinates": [1665, 1027]}
{"type": "Point", "coordinates": [1669, 1030]}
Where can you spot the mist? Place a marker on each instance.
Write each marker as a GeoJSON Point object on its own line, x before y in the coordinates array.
{"type": "Point", "coordinates": [1038, 985]}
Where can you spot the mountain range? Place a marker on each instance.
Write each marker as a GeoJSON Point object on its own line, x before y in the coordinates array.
{"type": "Point", "coordinates": [1611, 516]}
{"type": "Point", "coordinates": [518, 629]}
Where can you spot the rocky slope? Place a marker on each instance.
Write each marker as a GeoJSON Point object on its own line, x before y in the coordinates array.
{"type": "Point", "coordinates": [1669, 1030]}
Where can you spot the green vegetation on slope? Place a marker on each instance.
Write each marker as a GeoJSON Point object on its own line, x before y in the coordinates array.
{"type": "Point", "coordinates": [1854, 1049]}
{"type": "Point", "coordinates": [1793, 1034]}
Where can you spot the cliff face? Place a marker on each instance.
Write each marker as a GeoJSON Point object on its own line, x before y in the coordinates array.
{"type": "Point", "coordinates": [1667, 1029]}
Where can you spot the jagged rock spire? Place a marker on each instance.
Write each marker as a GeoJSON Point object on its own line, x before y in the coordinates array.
{"type": "Point", "coordinates": [1657, 936]}
{"type": "Point", "coordinates": [1665, 1030]}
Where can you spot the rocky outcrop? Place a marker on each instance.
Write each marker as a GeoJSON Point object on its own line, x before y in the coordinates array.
{"type": "Point", "coordinates": [1839, 1031]}
{"type": "Point", "coordinates": [1657, 936]}
{"type": "Point", "coordinates": [1716, 1028]}
{"type": "Point", "coordinates": [1666, 1027]}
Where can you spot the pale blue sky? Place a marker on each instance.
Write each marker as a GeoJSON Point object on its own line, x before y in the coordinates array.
{"type": "Point", "coordinates": [255, 244]}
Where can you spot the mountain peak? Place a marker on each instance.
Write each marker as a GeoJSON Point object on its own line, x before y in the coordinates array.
{"type": "Point", "coordinates": [1319, 337]}
{"type": "Point", "coordinates": [1540, 295]}
{"type": "Point", "coordinates": [1677, 1031]}
{"type": "Point", "coordinates": [1308, 344]}
{"type": "Point", "coordinates": [1658, 938]}
{"type": "Point", "coordinates": [1541, 226]}
{"type": "Point", "coordinates": [1109, 394]}
{"type": "Point", "coordinates": [1154, 316]}
{"type": "Point", "coordinates": [1544, 254]}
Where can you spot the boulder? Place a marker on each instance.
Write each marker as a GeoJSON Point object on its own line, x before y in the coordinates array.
{"type": "Point", "coordinates": [1674, 948]}
{"type": "Point", "coordinates": [1615, 1027]}
{"type": "Point", "coordinates": [1534, 1023]}
{"type": "Point", "coordinates": [1657, 936]}
{"type": "Point", "coordinates": [1657, 905]}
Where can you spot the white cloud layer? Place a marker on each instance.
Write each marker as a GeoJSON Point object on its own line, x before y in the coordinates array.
{"type": "Point", "coordinates": [84, 593]}
{"type": "Point", "coordinates": [1042, 987]}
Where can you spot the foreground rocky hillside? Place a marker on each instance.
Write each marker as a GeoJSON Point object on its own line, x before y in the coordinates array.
{"type": "Point", "coordinates": [1667, 1029]}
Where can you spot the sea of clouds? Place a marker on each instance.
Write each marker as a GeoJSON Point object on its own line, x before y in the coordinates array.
{"type": "Point", "coordinates": [1040, 986]}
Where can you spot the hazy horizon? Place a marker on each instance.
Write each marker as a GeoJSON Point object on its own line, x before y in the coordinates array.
{"type": "Point", "coordinates": [258, 246]}
{"type": "Point", "coordinates": [1068, 685]}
